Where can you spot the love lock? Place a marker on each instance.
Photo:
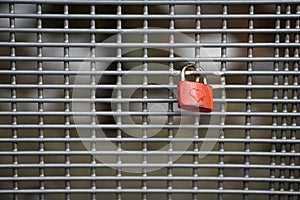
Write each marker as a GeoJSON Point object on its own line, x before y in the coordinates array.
{"type": "Point", "coordinates": [194, 96]}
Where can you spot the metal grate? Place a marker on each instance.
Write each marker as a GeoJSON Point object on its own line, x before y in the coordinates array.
{"type": "Point", "coordinates": [88, 104]}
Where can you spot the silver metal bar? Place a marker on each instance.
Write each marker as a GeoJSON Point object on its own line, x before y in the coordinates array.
{"type": "Point", "coordinates": [152, 72]}
{"type": "Point", "coordinates": [148, 191]}
{"type": "Point", "coordinates": [248, 105]}
{"type": "Point", "coordinates": [149, 31]}
{"type": "Point", "coordinates": [13, 96]}
{"type": "Point", "coordinates": [196, 118]}
{"type": "Point", "coordinates": [135, 100]}
{"type": "Point", "coordinates": [170, 105]}
{"type": "Point", "coordinates": [150, 113]}
{"type": "Point", "coordinates": [119, 105]}
{"type": "Point", "coordinates": [154, 165]}
{"type": "Point", "coordinates": [144, 183]}
{"type": "Point", "coordinates": [148, 178]}
{"type": "Point", "coordinates": [149, 16]}
{"type": "Point", "coordinates": [229, 140]}
{"type": "Point", "coordinates": [66, 54]}
{"type": "Point", "coordinates": [40, 96]}
{"type": "Point", "coordinates": [148, 59]}
{"type": "Point", "coordinates": [285, 81]}
{"type": "Point", "coordinates": [137, 126]}
{"type": "Point", "coordinates": [274, 105]}
{"type": "Point", "coordinates": [231, 153]}
{"type": "Point", "coordinates": [93, 96]}
{"type": "Point", "coordinates": [163, 2]}
{"type": "Point", "coordinates": [295, 95]}
{"type": "Point", "coordinates": [220, 185]}
{"type": "Point", "coordinates": [131, 86]}
{"type": "Point", "coordinates": [148, 45]}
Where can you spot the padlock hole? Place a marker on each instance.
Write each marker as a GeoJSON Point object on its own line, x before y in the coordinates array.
{"type": "Point", "coordinates": [195, 78]}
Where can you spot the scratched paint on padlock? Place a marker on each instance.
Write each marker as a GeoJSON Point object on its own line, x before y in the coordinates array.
{"type": "Point", "coordinates": [198, 95]}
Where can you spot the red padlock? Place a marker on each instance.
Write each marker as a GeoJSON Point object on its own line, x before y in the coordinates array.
{"type": "Point", "coordinates": [194, 96]}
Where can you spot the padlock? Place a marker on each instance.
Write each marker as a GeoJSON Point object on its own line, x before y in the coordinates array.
{"type": "Point", "coordinates": [194, 96]}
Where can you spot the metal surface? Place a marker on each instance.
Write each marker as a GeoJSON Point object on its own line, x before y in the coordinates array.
{"type": "Point", "coordinates": [126, 57]}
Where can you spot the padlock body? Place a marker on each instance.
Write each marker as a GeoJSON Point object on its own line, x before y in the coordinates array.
{"type": "Point", "coordinates": [195, 96]}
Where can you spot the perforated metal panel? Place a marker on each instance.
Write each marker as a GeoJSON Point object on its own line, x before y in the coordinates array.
{"type": "Point", "coordinates": [88, 102]}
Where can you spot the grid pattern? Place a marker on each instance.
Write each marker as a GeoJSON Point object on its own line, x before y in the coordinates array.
{"type": "Point", "coordinates": [124, 58]}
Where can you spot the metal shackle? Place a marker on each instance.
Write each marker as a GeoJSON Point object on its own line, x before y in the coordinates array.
{"type": "Point", "coordinates": [191, 66]}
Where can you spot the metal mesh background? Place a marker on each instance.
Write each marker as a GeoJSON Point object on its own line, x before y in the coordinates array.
{"type": "Point", "coordinates": [43, 43]}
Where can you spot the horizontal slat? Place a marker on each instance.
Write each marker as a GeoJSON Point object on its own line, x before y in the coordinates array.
{"type": "Point", "coordinates": [149, 126]}
{"type": "Point", "coordinates": [150, 72]}
{"type": "Point", "coordinates": [149, 178]}
{"type": "Point", "coordinates": [150, 2]}
{"type": "Point", "coordinates": [144, 153]}
{"type": "Point", "coordinates": [150, 190]}
{"type": "Point", "coordinates": [150, 31]}
{"type": "Point", "coordinates": [137, 100]}
{"type": "Point", "coordinates": [150, 165]}
{"type": "Point", "coordinates": [147, 45]}
{"type": "Point", "coordinates": [132, 86]}
{"type": "Point", "coordinates": [151, 59]}
{"type": "Point", "coordinates": [175, 140]}
{"type": "Point", "coordinates": [140, 113]}
{"type": "Point", "coordinates": [149, 16]}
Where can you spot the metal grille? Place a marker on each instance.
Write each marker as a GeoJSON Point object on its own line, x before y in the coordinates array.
{"type": "Point", "coordinates": [88, 104]}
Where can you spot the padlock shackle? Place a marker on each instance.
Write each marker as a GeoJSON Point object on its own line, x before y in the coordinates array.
{"type": "Point", "coordinates": [184, 69]}
{"type": "Point", "coordinates": [190, 65]}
